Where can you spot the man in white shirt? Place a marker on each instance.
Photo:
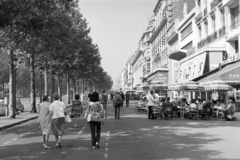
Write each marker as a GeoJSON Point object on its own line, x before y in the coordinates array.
{"type": "Point", "coordinates": [151, 103]}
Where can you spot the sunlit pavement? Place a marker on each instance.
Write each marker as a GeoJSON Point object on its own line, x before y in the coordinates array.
{"type": "Point", "coordinates": [132, 137]}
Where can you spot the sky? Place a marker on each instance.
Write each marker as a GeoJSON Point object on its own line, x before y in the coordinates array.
{"type": "Point", "coordinates": [116, 26]}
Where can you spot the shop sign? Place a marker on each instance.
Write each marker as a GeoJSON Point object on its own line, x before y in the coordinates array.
{"type": "Point", "coordinates": [232, 58]}
{"type": "Point", "coordinates": [232, 75]}
{"type": "Point", "coordinates": [192, 68]}
{"type": "Point", "coordinates": [160, 77]}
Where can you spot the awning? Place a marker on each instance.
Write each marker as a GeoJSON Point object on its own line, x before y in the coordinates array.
{"type": "Point", "coordinates": [178, 54]}
{"type": "Point", "coordinates": [229, 74]}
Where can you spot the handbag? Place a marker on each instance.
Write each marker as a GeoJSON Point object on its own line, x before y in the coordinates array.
{"type": "Point", "coordinates": [88, 117]}
{"type": "Point", "coordinates": [67, 118]}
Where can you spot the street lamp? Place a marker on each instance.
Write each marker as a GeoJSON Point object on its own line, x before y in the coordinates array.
{"type": "Point", "coordinates": [41, 75]}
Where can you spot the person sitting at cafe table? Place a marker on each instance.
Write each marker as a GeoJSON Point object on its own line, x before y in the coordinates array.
{"type": "Point", "coordinates": [193, 106]}
{"type": "Point", "coordinates": [229, 110]}
{"type": "Point", "coordinates": [206, 109]}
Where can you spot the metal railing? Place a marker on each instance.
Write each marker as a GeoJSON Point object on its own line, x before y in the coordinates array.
{"type": "Point", "coordinates": [215, 3]}
{"type": "Point", "coordinates": [199, 16]}
{"type": "Point", "coordinates": [222, 31]}
{"type": "Point", "coordinates": [205, 12]}
{"type": "Point", "coordinates": [212, 37]}
{"type": "Point", "coordinates": [235, 24]}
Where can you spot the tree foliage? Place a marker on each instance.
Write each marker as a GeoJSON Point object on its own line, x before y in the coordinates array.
{"type": "Point", "coordinates": [54, 31]}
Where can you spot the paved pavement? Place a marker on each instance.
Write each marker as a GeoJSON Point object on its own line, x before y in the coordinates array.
{"type": "Point", "coordinates": [133, 137]}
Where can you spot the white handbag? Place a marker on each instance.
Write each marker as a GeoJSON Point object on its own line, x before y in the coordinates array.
{"type": "Point", "coordinates": [88, 116]}
{"type": "Point", "coordinates": [67, 119]}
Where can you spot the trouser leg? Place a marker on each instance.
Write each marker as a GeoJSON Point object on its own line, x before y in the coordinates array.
{"type": "Point", "coordinates": [105, 109]}
{"type": "Point", "coordinates": [118, 112]}
{"type": "Point", "coordinates": [149, 112]}
{"type": "Point", "coordinates": [92, 128]}
{"type": "Point", "coordinates": [98, 125]}
{"type": "Point", "coordinates": [115, 108]}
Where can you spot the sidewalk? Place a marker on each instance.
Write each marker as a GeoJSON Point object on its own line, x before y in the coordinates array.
{"type": "Point", "coordinates": [6, 122]}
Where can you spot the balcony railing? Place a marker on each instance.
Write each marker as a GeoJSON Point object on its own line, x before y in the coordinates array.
{"type": "Point", "coordinates": [199, 16]}
{"type": "Point", "coordinates": [222, 31]}
{"type": "Point", "coordinates": [205, 12]}
{"type": "Point", "coordinates": [215, 3]}
{"type": "Point", "coordinates": [212, 37]}
{"type": "Point", "coordinates": [235, 24]}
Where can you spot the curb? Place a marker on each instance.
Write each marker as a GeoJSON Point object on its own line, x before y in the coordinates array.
{"type": "Point", "coordinates": [17, 123]}
{"type": "Point", "coordinates": [23, 121]}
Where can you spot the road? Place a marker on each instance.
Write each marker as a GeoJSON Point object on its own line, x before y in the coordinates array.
{"type": "Point", "coordinates": [132, 137]}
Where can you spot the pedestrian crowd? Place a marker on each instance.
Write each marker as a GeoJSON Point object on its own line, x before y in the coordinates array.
{"type": "Point", "coordinates": [93, 106]}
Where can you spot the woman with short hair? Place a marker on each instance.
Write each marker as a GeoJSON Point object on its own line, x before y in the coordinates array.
{"type": "Point", "coordinates": [44, 119]}
{"type": "Point", "coordinates": [57, 109]}
{"type": "Point", "coordinates": [96, 110]}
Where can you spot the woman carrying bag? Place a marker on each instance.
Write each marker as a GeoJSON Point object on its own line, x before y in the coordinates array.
{"type": "Point", "coordinates": [57, 109]}
{"type": "Point", "coordinates": [95, 116]}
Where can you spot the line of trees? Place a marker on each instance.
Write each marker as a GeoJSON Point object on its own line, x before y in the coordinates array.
{"type": "Point", "coordinates": [53, 35]}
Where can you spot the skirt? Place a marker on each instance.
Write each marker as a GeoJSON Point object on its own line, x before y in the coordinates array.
{"type": "Point", "coordinates": [57, 126]}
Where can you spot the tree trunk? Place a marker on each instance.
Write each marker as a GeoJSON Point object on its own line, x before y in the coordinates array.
{"type": "Point", "coordinates": [74, 88]}
{"type": "Point", "coordinates": [60, 87]}
{"type": "Point", "coordinates": [79, 86]}
{"type": "Point", "coordinates": [11, 86]}
{"type": "Point", "coordinates": [83, 86]}
{"type": "Point", "coordinates": [32, 93]}
{"type": "Point", "coordinates": [68, 89]}
{"type": "Point", "coordinates": [45, 81]}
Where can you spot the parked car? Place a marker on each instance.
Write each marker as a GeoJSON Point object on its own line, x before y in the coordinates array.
{"type": "Point", "coordinates": [19, 105]}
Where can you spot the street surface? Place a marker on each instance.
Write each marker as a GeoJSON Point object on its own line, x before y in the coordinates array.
{"type": "Point", "coordinates": [132, 137]}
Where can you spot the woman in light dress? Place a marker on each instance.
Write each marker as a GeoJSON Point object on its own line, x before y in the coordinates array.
{"type": "Point", "coordinates": [57, 109]}
{"type": "Point", "coordinates": [45, 119]}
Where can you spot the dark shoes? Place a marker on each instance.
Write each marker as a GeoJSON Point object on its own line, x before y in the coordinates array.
{"type": "Point", "coordinates": [58, 145]}
{"type": "Point", "coordinates": [97, 145]}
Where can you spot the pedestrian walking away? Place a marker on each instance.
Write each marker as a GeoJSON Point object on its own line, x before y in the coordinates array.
{"type": "Point", "coordinates": [127, 96]}
{"type": "Point", "coordinates": [103, 100]}
{"type": "Point", "coordinates": [57, 109]}
{"type": "Point", "coordinates": [122, 96]}
{"type": "Point", "coordinates": [45, 119]}
{"type": "Point", "coordinates": [76, 109]}
{"type": "Point", "coordinates": [96, 111]}
{"type": "Point", "coordinates": [117, 103]}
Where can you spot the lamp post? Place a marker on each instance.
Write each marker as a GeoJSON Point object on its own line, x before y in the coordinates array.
{"type": "Point", "coordinates": [41, 83]}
